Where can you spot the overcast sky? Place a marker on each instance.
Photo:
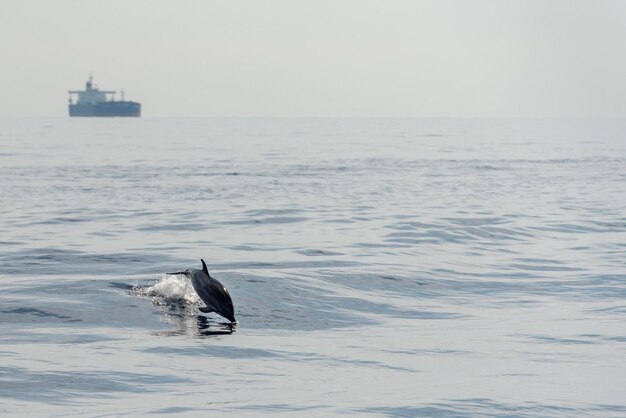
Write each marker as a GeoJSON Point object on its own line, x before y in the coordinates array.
{"type": "Point", "coordinates": [405, 58]}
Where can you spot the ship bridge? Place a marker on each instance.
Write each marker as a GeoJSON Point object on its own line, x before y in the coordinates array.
{"type": "Point", "coordinates": [91, 94]}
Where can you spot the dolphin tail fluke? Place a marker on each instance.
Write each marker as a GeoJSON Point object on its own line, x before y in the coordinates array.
{"type": "Point", "coordinates": [205, 309]}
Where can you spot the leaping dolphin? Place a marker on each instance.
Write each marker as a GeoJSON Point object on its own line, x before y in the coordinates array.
{"type": "Point", "coordinates": [212, 292]}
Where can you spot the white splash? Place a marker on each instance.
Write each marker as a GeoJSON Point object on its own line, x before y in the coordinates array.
{"type": "Point", "coordinates": [172, 287]}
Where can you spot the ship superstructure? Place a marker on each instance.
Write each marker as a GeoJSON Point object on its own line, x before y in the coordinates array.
{"type": "Point", "coordinates": [95, 102]}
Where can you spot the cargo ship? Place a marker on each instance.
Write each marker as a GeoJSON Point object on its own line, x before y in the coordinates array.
{"type": "Point", "coordinates": [95, 102]}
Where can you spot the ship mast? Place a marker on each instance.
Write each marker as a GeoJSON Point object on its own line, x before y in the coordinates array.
{"type": "Point", "coordinates": [89, 83]}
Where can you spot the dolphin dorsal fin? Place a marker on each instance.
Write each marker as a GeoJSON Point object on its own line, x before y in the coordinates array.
{"type": "Point", "coordinates": [204, 269]}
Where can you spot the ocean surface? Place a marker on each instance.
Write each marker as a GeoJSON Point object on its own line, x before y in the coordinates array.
{"type": "Point", "coordinates": [378, 267]}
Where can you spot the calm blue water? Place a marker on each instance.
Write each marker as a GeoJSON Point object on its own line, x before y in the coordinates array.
{"type": "Point", "coordinates": [378, 267]}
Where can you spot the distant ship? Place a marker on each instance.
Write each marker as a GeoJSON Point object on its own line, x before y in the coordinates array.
{"type": "Point", "coordinates": [94, 102]}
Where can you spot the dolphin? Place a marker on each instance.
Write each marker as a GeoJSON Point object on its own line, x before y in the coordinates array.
{"type": "Point", "coordinates": [212, 292]}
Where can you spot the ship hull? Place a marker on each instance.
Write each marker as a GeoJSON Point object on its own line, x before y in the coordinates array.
{"type": "Point", "coordinates": [106, 109]}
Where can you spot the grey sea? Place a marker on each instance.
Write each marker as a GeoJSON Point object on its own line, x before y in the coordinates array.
{"type": "Point", "coordinates": [378, 267]}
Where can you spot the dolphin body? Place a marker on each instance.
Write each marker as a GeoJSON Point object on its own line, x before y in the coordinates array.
{"type": "Point", "coordinates": [212, 292]}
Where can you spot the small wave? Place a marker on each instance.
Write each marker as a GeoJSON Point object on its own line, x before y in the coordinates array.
{"type": "Point", "coordinates": [266, 220]}
{"type": "Point", "coordinates": [316, 253]}
{"type": "Point", "coordinates": [174, 226]}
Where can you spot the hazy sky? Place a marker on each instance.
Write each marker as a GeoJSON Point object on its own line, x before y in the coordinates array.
{"type": "Point", "coordinates": [319, 58]}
